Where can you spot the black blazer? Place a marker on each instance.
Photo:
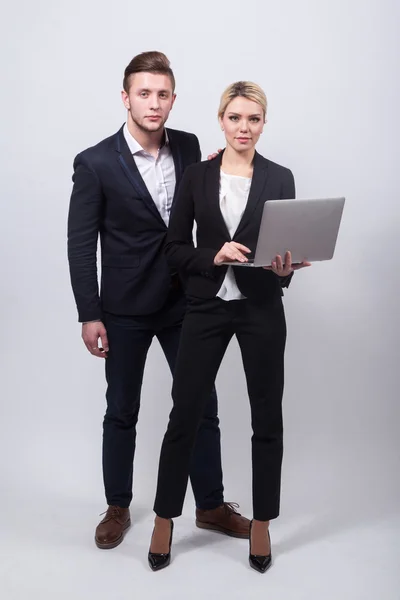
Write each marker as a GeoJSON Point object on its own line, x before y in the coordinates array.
{"type": "Point", "coordinates": [110, 198]}
{"type": "Point", "coordinates": [198, 200]}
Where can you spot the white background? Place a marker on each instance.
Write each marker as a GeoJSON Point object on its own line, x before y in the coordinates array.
{"type": "Point", "coordinates": [330, 71]}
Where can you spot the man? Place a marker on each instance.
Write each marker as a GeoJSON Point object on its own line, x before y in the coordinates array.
{"type": "Point", "coordinates": [123, 190]}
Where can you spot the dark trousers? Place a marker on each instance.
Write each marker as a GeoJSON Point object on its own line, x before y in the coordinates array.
{"type": "Point", "coordinates": [129, 340]}
{"type": "Point", "coordinates": [209, 325]}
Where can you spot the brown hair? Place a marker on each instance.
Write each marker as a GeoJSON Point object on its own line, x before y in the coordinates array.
{"type": "Point", "coordinates": [148, 62]}
{"type": "Point", "coordinates": [248, 90]}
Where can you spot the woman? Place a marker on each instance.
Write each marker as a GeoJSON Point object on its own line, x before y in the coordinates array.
{"type": "Point", "coordinates": [225, 197]}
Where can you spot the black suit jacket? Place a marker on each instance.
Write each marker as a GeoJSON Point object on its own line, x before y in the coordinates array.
{"type": "Point", "coordinates": [198, 200]}
{"type": "Point", "coordinates": [110, 198]}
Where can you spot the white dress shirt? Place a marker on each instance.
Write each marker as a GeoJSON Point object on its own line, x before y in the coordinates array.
{"type": "Point", "coordinates": [157, 173]}
{"type": "Point", "coordinates": [233, 195]}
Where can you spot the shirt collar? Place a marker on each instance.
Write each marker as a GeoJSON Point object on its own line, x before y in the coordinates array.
{"type": "Point", "coordinates": [134, 146]}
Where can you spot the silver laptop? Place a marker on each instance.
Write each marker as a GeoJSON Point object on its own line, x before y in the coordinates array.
{"type": "Point", "coordinates": [308, 228]}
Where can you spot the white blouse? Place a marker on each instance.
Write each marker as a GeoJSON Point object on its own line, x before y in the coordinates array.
{"type": "Point", "coordinates": [233, 196]}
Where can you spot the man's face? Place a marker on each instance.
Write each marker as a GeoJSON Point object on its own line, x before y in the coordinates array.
{"type": "Point", "coordinates": [149, 100]}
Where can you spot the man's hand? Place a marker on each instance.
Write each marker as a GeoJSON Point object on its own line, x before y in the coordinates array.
{"type": "Point", "coordinates": [91, 332]}
{"type": "Point", "coordinates": [211, 156]}
{"type": "Point", "coordinates": [284, 269]}
{"type": "Point", "coordinates": [231, 251]}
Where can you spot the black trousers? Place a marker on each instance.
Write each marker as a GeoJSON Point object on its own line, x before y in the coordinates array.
{"type": "Point", "coordinates": [129, 340]}
{"type": "Point", "coordinates": [208, 326]}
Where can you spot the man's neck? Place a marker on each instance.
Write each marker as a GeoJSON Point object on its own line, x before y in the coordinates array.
{"type": "Point", "coordinates": [150, 141]}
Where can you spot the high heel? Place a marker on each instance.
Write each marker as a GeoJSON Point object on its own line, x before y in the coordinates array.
{"type": "Point", "coordinates": [258, 562]}
{"type": "Point", "coordinates": [160, 561]}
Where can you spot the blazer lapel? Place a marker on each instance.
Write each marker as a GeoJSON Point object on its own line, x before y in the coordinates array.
{"type": "Point", "coordinates": [259, 179]}
{"type": "Point", "coordinates": [260, 174]}
{"type": "Point", "coordinates": [177, 157]}
{"type": "Point", "coordinates": [130, 169]}
{"type": "Point", "coordinates": [213, 177]}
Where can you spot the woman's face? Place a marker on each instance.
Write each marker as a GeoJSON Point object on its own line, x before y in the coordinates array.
{"type": "Point", "coordinates": [243, 123]}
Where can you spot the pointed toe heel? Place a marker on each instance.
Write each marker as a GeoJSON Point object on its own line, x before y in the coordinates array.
{"type": "Point", "coordinates": [158, 561]}
{"type": "Point", "coordinates": [258, 562]}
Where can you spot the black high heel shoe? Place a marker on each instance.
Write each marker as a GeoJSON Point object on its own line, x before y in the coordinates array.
{"type": "Point", "coordinates": [258, 562]}
{"type": "Point", "coordinates": [160, 561]}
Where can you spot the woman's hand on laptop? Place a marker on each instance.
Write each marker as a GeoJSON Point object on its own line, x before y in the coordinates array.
{"type": "Point", "coordinates": [283, 269]}
{"type": "Point", "coordinates": [231, 251]}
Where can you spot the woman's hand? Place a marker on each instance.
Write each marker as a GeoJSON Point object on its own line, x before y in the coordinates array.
{"type": "Point", "coordinates": [284, 269]}
{"type": "Point", "coordinates": [231, 251]}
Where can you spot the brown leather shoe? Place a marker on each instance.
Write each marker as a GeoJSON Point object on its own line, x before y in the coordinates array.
{"type": "Point", "coordinates": [224, 519]}
{"type": "Point", "coordinates": [110, 531]}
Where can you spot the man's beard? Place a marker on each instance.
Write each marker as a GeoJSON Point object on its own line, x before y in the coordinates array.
{"type": "Point", "coordinates": [143, 127]}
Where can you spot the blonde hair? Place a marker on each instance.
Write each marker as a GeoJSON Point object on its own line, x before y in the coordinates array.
{"type": "Point", "coordinates": [246, 89]}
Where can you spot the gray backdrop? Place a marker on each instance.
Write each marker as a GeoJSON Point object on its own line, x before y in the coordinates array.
{"type": "Point", "coordinates": [330, 71]}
